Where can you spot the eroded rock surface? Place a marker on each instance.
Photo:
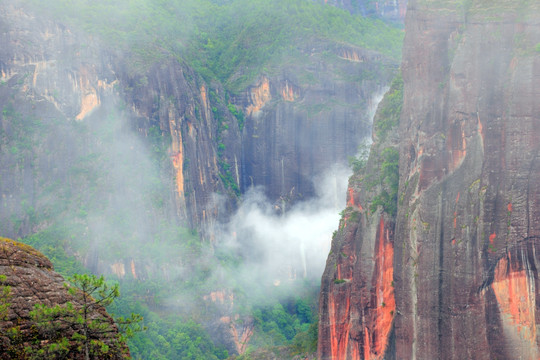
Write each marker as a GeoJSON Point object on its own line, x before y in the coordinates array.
{"type": "Point", "coordinates": [32, 280]}
{"type": "Point", "coordinates": [466, 235]}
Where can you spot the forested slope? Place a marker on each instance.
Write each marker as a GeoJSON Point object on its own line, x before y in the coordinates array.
{"type": "Point", "coordinates": [129, 133]}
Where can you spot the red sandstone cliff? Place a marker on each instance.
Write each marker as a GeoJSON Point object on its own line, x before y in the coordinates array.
{"type": "Point", "coordinates": [357, 301]}
{"type": "Point", "coordinates": [466, 238]}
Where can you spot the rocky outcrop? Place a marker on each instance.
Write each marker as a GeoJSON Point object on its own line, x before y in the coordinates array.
{"type": "Point", "coordinates": [31, 280]}
{"type": "Point", "coordinates": [465, 244]}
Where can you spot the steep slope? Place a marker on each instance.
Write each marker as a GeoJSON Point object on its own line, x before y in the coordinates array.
{"type": "Point", "coordinates": [357, 301]}
{"type": "Point", "coordinates": [123, 142]}
{"type": "Point", "coordinates": [465, 243]}
{"type": "Point", "coordinates": [309, 116]}
{"type": "Point", "coordinates": [31, 280]}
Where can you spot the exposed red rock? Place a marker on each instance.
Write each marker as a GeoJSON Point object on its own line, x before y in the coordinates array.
{"type": "Point", "coordinates": [467, 229]}
{"type": "Point", "coordinates": [357, 302]}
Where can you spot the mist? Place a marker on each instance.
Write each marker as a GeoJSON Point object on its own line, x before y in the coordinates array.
{"type": "Point", "coordinates": [280, 247]}
{"type": "Point", "coordinates": [277, 247]}
{"type": "Point", "coordinates": [97, 190]}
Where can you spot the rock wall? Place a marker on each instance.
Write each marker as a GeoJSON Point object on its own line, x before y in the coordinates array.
{"type": "Point", "coordinates": [469, 157]}
{"type": "Point", "coordinates": [67, 97]}
{"type": "Point", "coordinates": [357, 300]}
{"type": "Point", "coordinates": [465, 243]}
{"type": "Point", "coordinates": [310, 115]}
{"type": "Point", "coordinates": [204, 150]}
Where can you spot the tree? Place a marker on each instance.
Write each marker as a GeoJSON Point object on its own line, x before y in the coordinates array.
{"type": "Point", "coordinates": [5, 297]}
{"type": "Point", "coordinates": [93, 334]}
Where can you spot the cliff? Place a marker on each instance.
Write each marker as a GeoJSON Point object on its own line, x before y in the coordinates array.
{"type": "Point", "coordinates": [155, 145]}
{"type": "Point", "coordinates": [459, 256]}
{"type": "Point", "coordinates": [31, 280]}
{"type": "Point", "coordinates": [357, 301]}
{"type": "Point", "coordinates": [311, 114]}
{"type": "Point", "coordinates": [124, 154]}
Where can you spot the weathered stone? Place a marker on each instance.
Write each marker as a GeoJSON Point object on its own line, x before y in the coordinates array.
{"type": "Point", "coordinates": [357, 301]}
{"type": "Point", "coordinates": [32, 280]}
{"type": "Point", "coordinates": [466, 235]}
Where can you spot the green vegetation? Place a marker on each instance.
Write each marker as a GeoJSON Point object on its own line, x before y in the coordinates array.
{"type": "Point", "coordinates": [70, 330]}
{"type": "Point", "coordinates": [170, 333]}
{"type": "Point", "coordinates": [389, 178]}
{"type": "Point", "coordinates": [174, 339]}
{"type": "Point", "coordinates": [91, 337]}
{"type": "Point", "coordinates": [387, 156]}
{"type": "Point", "coordinates": [286, 324]}
{"type": "Point", "coordinates": [238, 114]}
{"type": "Point", "coordinates": [359, 162]}
{"type": "Point", "coordinates": [5, 297]}
{"type": "Point", "coordinates": [389, 110]}
{"type": "Point", "coordinates": [52, 242]}
{"type": "Point", "coordinates": [221, 117]}
{"type": "Point", "coordinates": [232, 41]}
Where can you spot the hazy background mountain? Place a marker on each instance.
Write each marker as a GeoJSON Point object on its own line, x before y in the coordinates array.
{"type": "Point", "coordinates": [189, 150]}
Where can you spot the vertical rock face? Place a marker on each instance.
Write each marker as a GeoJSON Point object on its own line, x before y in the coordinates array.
{"type": "Point", "coordinates": [357, 300]}
{"type": "Point", "coordinates": [195, 118]}
{"type": "Point", "coordinates": [466, 235]}
{"type": "Point", "coordinates": [469, 156]}
{"type": "Point", "coordinates": [309, 117]}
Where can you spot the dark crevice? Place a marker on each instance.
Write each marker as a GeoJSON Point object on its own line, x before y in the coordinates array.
{"type": "Point", "coordinates": [440, 326]}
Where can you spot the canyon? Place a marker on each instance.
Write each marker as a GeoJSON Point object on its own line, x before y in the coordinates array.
{"type": "Point", "coordinates": [135, 154]}
{"type": "Point", "coordinates": [127, 157]}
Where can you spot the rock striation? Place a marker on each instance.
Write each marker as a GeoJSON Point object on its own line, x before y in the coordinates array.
{"type": "Point", "coordinates": [465, 239]}
{"type": "Point", "coordinates": [309, 117]}
{"type": "Point", "coordinates": [59, 82]}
